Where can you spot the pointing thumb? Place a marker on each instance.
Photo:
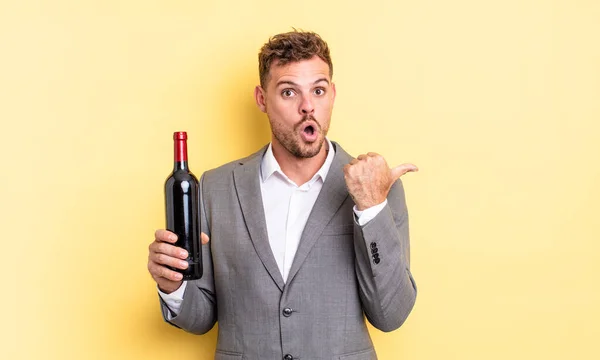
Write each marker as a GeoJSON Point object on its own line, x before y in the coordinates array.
{"type": "Point", "coordinates": [402, 169]}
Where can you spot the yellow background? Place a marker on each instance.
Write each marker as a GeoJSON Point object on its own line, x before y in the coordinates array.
{"type": "Point", "coordinates": [498, 103]}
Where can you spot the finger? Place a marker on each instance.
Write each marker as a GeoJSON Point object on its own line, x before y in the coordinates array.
{"type": "Point", "coordinates": [165, 236]}
{"type": "Point", "coordinates": [168, 249]}
{"type": "Point", "coordinates": [204, 238]}
{"type": "Point", "coordinates": [402, 169]}
{"type": "Point", "coordinates": [162, 272]}
{"type": "Point", "coordinates": [167, 260]}
{"type": "Point", "coordinates": [362, 157]}
{"type": "Point", "coordinates": [353, 161]}
{"type": "Point", "coordinates": [373, 154]}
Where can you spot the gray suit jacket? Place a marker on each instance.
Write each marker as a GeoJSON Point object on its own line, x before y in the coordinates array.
{"type": "Point", "coordinates": [340, 272]}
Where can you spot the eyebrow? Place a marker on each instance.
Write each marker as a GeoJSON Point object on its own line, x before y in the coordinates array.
{"type": "Point", "coordinates": [288, 82]}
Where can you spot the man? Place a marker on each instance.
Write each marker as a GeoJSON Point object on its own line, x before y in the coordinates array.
{"type": "Point", "coordinates": [305, 239]}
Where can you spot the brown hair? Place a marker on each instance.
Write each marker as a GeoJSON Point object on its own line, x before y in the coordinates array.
{"type": "Point", "coordinates": [291, 47]}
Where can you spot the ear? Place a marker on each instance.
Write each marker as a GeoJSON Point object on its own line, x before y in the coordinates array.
{"type": "Point", "coordinates": [333, 89]}
{"type": "Point", "coordinates": [259, 96]}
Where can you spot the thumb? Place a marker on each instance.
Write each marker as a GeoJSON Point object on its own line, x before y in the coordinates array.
{"type": "Point", "coordinates": [402, 169]}
{"type": "Point", "coordinates": [204, 238]}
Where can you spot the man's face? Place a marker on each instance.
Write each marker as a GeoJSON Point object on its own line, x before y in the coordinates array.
{"type": "Point", "coordinates": [298, 101]}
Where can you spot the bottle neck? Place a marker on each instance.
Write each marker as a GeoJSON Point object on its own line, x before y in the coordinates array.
{"type": "Point", "coordinates": [181, 160]}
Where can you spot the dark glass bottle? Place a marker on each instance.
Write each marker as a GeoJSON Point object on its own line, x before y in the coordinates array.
{"type": "Point", "coordinates": [181, 197]}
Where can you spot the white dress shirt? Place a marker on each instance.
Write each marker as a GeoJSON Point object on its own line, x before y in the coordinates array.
{"type": "Point", "coordinates": [287, 207]}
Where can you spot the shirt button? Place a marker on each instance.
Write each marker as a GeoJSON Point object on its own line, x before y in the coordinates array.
{"type": "Point", "coordinates": [288, 357]}
{"type": "Point", "coordinates": [287, 312]}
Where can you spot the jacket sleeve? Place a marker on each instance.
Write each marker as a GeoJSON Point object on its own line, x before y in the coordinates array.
{"type": "Point", "coordinates": [387, 288]}
{"type": "Point", "coordinates": [198, 312]}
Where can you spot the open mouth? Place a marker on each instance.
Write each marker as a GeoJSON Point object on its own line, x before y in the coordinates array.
{"type": "Point", "coordinates": [309, 130]}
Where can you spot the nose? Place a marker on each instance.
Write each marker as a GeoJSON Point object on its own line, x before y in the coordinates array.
{"type": "Point", "coordinates": [307, 106]}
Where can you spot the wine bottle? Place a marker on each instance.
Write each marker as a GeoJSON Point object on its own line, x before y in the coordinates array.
{"type": "Point", "coordinates": [182, 210]}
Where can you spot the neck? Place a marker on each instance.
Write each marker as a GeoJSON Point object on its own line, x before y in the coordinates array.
{"type": "Point", "coordinates": [299, 170]}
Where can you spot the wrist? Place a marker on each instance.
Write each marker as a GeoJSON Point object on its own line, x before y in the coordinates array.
{"type": "Point", "coordinates": [364, 205]}
{"type": "Point", "coordinates": [170, 288]}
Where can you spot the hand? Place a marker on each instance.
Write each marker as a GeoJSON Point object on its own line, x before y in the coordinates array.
{"type": "Point", "coordinates": [369, 179]}
{"type": "Point", "coordinates": [162, 254]}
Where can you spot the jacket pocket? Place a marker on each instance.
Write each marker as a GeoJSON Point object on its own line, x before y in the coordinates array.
{"type": "Point", "coordinates": [228, 355]}
{"type": "Point", "coordinates": [368, 354]}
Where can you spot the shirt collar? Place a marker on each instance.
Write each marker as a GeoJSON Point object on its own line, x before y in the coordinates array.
{"type": "Point", "coordinates": [269, 164]}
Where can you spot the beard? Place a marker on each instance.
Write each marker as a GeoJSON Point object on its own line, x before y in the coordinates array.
{"type": "Point", "coordinates": [292, 140]}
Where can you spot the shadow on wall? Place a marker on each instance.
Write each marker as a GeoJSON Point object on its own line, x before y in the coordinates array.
{"type": "Point", "coordinates": [255, 129]}
{"type": "Point", "coordinates": [250, 127]}
{"type": "Point", "coordinates": [240, 128]}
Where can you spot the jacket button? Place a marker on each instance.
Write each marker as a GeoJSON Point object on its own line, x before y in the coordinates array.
{"type": "Point", "coordinates": [288, 357]}
{"type": "Point", "coordinates": [287, 312]}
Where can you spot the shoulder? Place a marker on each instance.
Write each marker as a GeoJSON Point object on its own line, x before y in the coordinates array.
{"type": "Point", "coordinates": [340, 154]}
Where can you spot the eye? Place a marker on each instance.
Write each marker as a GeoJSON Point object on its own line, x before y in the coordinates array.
{"type": "Point", "coordinates": [319, 91]}
{"type": "Point", "coordinates": [287, 93]}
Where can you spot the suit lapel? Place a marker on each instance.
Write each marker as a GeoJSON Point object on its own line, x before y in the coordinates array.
{"type": "Point", "coordinates": [247, 184]}
{"type": "Point", "coordinates": [332, 195]}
